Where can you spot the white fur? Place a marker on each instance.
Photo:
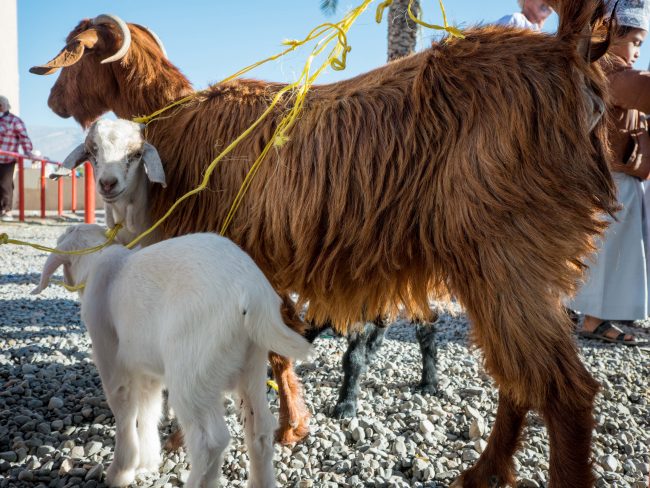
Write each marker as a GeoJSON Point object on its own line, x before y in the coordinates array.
{"type": "Point", "coordinates": [116, 149]}
{"type": "Point", "coordinates": [195, 314]}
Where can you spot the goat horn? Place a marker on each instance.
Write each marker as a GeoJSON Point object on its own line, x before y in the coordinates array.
{"type": "Point", "coordinates": [70, 54]}
{"type": "Point", "coordinates": [124, 30]}
{"type": "Point", "coordinates": [157, 39]}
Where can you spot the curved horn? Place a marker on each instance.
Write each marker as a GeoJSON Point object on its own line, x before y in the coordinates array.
{"type": "Point", "coordinates": [70, 54]}
{"type": "Point", "coordinates": [157, 39]}
{"type": "Point", "coordinates": [124, 30]}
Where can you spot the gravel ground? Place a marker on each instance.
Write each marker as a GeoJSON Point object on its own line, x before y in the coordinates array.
{"type": "Point", "coordinates": [56, 429]}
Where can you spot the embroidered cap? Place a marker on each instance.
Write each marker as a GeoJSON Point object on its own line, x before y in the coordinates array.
{"type": "Point", "coordinates": [633, 13]}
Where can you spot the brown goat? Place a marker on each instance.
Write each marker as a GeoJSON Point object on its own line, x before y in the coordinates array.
{"type": "Point", "coordinates": [476, 168]}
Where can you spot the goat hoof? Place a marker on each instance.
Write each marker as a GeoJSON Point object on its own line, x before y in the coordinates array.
{"type": "Point", "coordinates": [262, 484]}
{"type": "Point", "coordinates": [150, 466]}
{"type": "Point", "coordinates": [427, 388]}
{"type": "Point", "coordinates": [291, 435]}
{"type": "Point", "coordinates": [119, 477]}
{"type": "Point", "coordinates": [473, 479]}
{"type": "Point", "coordinates": [345, 410]}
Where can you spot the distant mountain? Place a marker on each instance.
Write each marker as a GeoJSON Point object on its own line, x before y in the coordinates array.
{"type": "Point", "coordinates": [55, 142]}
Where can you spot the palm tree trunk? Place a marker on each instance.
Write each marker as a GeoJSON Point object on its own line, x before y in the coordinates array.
{"type": "Point", "coordinates": [402, 31]}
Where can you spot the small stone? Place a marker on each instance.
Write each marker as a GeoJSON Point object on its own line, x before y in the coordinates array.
{"type": "Point", "coordinates": [78, 472]}
{"type": "Point", "coordinates": [471, 392]}
{"type": "Point", "coordinates": [55, 402]}
{"type": "Point", "coordinates": [92, 448]}
{"type": "Point", "coordinates": [25, 475]}
{"type": "Point", "coordinates": [426, 427]}
{"type": "Point", "coordinates": [480, 445]}
{"type": "Point", "coordinates": [477, 428]}
{"type": "Point", "coordinates": [609, 462]}
{"type": "Point", "coordinates": [470, 455]}
{"type": "Point", "coordinates": [43, 451]}
{"type": "Point", "coordinates": [629, 466]}
{"type": "Point", "coordinates": [358, 434]}
{"type": "Point", "coordinates": [77, 452]}
{"type": "Point", "coordinates": [44, 428]}
{"type": "Point", "coordinates": [528, 483]}
{"type": "Point", "coordinates": [183, 475]}
{"type": "Point", "coordinates": [21, 419]}
{"type": "Point", "coordinates": [472, 413]}
{"type": "Point", "coordinates": [95, 473]}
{"type": "Point", "coordinates": [399, 447]}
{"type": "Point", "coordinates": [9, 456]}
{"type": "Point", "coordinates": [439, 412]}
{"type": "Point", "coordinates": [419, 468]}
{"type": "Point", "coordinates": [297, 464]}
{"type": "Point", "coordinates": [29, 368]}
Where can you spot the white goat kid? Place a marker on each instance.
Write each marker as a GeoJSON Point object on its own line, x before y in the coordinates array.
{"type": "Point", "coordinates": [125, 166]}
{"type": "Point", "coordinates": [193, 313]}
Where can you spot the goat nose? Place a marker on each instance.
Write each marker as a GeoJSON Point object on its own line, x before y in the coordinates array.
{"type": "Point", "coordinates": [108, 184]}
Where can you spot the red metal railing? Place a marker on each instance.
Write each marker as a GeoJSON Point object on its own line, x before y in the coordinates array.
{"type": "Point", "coordinates": [89, 187]}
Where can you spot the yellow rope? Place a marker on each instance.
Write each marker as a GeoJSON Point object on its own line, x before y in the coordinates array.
{"type": "Point", "coordinates": [78, 287]}
{"type": "Point", "coordinates": [454, 31]}
{"type": "Point", "coordinates": [110, 237]}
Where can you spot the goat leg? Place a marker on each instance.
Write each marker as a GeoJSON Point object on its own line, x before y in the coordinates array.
{"type": "Point", "coordinates": [294, 415]}
{"type": "Point", "coordinates": [570, 424]}
{"type": "Point", "coordinates": [425, 333]}
{"type": "Point", "coordinates": [362, 348]}
{"type": "Point", "coordinates": [496, 466]}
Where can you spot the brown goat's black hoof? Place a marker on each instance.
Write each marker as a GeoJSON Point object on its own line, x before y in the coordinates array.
{"type": "Point", "coordinates": [345, 410]}
{"type": "Point", "coordinates": [427, 388]}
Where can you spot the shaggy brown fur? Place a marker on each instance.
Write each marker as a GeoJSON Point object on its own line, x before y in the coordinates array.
{"type": "Point", "coordinates": [466, 169]}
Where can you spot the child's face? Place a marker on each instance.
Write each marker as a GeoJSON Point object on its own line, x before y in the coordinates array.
{"type": "Point", "coordinates": [628, 47]}
{"type": "Point", "coordinates": [537, 11]}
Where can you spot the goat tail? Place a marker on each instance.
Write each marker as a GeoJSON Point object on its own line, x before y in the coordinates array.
{"type": "Point", "coordinates": [270, 331]}
{"type": "Point", "coordinates": [581, 23]}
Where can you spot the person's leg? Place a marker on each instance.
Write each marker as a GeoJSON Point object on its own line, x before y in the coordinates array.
{"type": "Point", "coordinates": [6, 186]}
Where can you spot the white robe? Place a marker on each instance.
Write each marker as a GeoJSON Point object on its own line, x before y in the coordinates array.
{"type": "Point", "coordinates": [616, 284]}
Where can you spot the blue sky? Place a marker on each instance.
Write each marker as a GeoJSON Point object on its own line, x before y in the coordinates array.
{"type": "Point", "coordinates": [209, 40]}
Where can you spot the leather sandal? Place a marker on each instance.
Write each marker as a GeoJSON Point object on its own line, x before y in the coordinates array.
{"type": "Point", "coordinates": [603, 328]}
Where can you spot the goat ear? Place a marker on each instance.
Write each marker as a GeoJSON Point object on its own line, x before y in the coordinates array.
{"type": "Point", "coordinates": [51, 265]}
{"type": "Point", "coordinates": [72, 160]}
{"type": "Point", "coordinates": [70, 54]}
{"type": "Point", "coordinates": [153, 165]}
